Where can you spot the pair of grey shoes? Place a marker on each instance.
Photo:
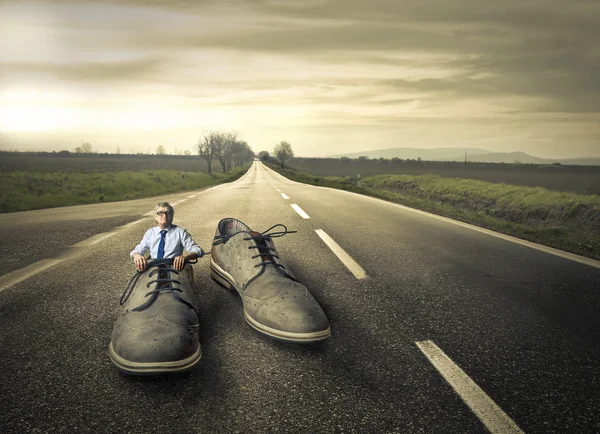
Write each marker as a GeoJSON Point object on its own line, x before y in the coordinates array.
{"type": "Point", "coordinates": [158, 329]}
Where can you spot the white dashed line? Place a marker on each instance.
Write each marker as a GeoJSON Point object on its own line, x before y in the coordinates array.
{"type": "Point", "coordinates": [284, 196]}
{"type": "Point", "coordinates": [346, 259]}
{"type": "Point", "coordinates": [492, 416]}
{"type": "Point", "coordinates": [19, 275]}
{"type": "Point", "coordinates": [300, 211]}
{"type": "Point", "coordinates": [191, 196]}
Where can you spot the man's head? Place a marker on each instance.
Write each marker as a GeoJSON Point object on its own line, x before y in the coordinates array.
{"type": "Point", "coordinates": [163, 214]}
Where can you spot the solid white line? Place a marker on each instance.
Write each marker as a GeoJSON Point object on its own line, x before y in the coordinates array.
{"type": "Point", "coordinates": [191, 196]}
{"type": "Point", "coordinates": [128, 225]}
{"type": "Point", "coordinates": [492, 416]}
{"type": "Point", "coordinates": [284, 196]}
{"type": "Point", "coordinates": [350, 263]}
{"type": "Point", "coordinates": [532, 245]}
{"type": "Point", "coordinates": [19, 275]}
{"type": "Point", "coordinates": [299, 211]}
{"type": "Point", "coordinates": [94, 240]}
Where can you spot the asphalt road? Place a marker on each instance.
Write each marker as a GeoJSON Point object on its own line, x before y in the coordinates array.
{"type": "Point", "coordinates": [522, 325]}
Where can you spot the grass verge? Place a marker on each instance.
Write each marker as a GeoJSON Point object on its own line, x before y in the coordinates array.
{"type": "Point", "coordinates": [566, 221]}
{"type": "Point", "coordinates": [22, 191]}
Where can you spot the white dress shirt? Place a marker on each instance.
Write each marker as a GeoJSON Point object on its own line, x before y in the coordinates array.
{"type": "Point", "coordinates": [176, 240]}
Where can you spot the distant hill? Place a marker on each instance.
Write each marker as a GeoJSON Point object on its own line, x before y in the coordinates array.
{"type": "Point", "coordinates": [524, 158]}
{"type": "Point", "coordinates": [472, 154]}
{"type": "Point", "coordinates": [415, 153]}
{"type": "Point", "coordinates": [506, 157]}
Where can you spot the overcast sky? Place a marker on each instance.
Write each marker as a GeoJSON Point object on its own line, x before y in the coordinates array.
{"type": "Point", "coordinates": [328, 76]}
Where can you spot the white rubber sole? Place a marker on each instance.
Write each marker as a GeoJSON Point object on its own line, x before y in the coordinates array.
{"type": "Point", "coordinates": [153, 368]}
{"type": "Point", "coordinates": [226, 280]}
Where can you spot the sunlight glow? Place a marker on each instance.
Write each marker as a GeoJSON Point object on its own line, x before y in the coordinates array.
{"type": "Point", "coordinates": [31, 117]}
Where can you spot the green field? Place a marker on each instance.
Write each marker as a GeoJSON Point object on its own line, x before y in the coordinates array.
{"type": "Point", "coordinates": [52, 162]}
{"type": "Point", "coordinates": [36, 180]}
{"type": "Point", "coordinates": [22, 191]}
{"type": "Point", "coordinates": [567, 221]}
{"type": "Point", "coordinates": [573, 179]}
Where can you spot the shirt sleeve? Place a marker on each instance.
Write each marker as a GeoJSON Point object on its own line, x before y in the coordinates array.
{"type": "Point", "coordinates": [190, 245]}
{"type": "Point", "coordinates": [143, 246]}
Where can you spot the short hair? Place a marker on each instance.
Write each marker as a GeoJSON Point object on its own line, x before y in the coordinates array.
{"type": "Point", "coordinates": [164, 205]}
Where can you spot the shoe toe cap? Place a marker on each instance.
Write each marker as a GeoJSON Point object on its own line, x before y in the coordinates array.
{"type": "Point", "coordinates": [154, 340]}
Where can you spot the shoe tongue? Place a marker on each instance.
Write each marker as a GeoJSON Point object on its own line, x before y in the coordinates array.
{"type": "Point", "coordinates": [262, 242]}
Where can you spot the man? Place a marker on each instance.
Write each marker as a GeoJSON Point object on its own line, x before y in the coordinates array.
{"type": "Point", "coordinates": [176, 239]}
{"type": "Point", "coordinates": [157, 331]}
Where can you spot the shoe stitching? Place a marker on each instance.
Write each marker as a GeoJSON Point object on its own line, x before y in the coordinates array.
{"type": "Point", "coordinates": [261, 244]}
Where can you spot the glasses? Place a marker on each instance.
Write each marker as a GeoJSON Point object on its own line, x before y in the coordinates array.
{"type": "Point", "coordinates": [162, 213]}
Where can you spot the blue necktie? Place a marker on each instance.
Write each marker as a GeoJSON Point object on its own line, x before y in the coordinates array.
{"type": "Point", "coordinates": [161, 245]}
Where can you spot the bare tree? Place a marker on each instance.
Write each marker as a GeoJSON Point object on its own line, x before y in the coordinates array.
{"type": "Point", "coordinates": [225, 149]}
{"type": "Point", "coordinates": [160, 150]}
{"type": "Point", "coordinates": [208, 147]}
{"type": "Point", "coordinates": [85, 148]}
{"type": "Point", "coordinates": [283, 151]}
{"type": "Point", "coordinates": [240, 153]}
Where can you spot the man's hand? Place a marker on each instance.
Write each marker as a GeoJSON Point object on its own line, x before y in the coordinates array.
{"type": "Point", "coordinates": [179, 262]}
{"type": "Point", "coordinates": [139, 261]}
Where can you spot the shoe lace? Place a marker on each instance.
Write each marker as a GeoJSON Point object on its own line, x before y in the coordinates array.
{"type": "Point", "coordinates": [220, 239]}
{"type": "Point", "coordinates": [163, 267]}
{"type": "Point", "coordinates": [264, 251]}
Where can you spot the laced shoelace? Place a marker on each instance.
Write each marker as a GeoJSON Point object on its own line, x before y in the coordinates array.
{"type": "Point", "coordinates": [163, 284]}
{"type": "Point", "coordinates": [264, 251]}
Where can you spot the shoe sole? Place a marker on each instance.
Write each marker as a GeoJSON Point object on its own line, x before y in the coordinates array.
{"type": "Point", "coordinates": [226, 280]}
{"type": "Point", "coordinates": [153, 368]}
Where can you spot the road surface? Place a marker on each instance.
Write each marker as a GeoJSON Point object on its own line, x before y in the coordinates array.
{"type": "Point", "coordinates": [436, 327]}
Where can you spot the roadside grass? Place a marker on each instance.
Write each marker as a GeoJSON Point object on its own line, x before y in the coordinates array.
{"type": "Point", "coordinates": [22, 191]}
{"type": "Point", "coordinates": [567, 221]}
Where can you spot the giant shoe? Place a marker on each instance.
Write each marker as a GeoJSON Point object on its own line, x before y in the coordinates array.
{"type": "Point", "coordinates": [157, 329]}
{"type": "Point", "coordinates": [274, 302]}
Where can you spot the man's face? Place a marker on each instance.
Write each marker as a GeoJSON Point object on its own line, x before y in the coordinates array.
{"type": "Point", "coordinates": [163, 217]}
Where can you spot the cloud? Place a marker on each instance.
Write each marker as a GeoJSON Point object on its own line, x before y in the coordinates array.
{"type": "Point", "coordinates": [330, 62]}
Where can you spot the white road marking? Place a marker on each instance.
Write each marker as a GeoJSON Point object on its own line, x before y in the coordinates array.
{"type": "Point", "coordinates": [191, 196]}
{"type": "Point", "coordinates": [17, 276]}
{"type": "Point", "coordinates": [284, 196]}
{"type": "Point", "coordinates": [546, 249]}
{"type": "Point", "coordinates": [346, 259]}
{"type": "Point", "coordinates": [94, 240]}
{"type": "Point", "coordinates": [492, 416]}
{"type": "Point", "coordinates": [128, 225]}
{"type": "Point", "coordinates": [300, 211]}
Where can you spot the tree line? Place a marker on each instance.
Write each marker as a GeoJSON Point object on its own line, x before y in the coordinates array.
{"type": "Point", "coordinates": [224, 147]}
{"type": "Point", "coordinates": [282, 151]}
